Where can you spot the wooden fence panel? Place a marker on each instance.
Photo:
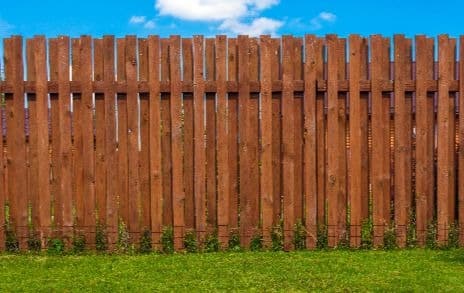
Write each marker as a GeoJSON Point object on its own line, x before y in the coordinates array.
{"type": "Point", "coordinates": [236, 136]}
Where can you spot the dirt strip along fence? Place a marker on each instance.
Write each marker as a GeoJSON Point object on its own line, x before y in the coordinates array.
{"type": "Point", "coordinates": [234, 137]}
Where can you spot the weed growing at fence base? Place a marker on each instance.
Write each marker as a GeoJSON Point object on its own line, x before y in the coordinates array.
{"type": "Point", "coordinates": [396, 270]}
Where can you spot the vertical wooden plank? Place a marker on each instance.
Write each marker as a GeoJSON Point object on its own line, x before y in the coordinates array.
{"type": "Point", "coordinates": [342, 155]}
{"type": "Point", "coordinates": [40, 60]}
{"type": "Point", "coordinates": [144, 122]}
{"type": "Point", "coordinates": [187, 55]}
{"type": "Point", "coordinates": [156, 191]}
{"type": "Point", "coordinates": [100, 164]}
{"type": "Point", "coordinates": [444, 163]}
{"type": "Point", "coordinates": [211, 196]}
{"type": "Point", "coordinates": [244, 128]}
{"type": "Point", "coordinates": [402, 139]}
{"type": "Point", "coordinates": [110, 142]}
{"type": "Point", "coordinates": [132, 137]}
{"type": "Point", "coordinates": [222, 142]}
{"type": "Point", "coordinates": [380, 138]}
{"type": "Point", "coordinates": [266, 175]}
{"type": "Point", "coordinates": [298, 130]}
{"type": "Point", "coordinates": [64, 192]}
{"type": "Point", "coordinates": [32, 135]}
{"type": "Point", "coordinates": [88, 159]}
{"type": "Point", "coordinates": [313, 57]}
{"type": "Point", "coordinates": [77, 143]}
{"type": "Point", "coordinates": [16, 138]}
{"type": "Point", "coordinates": [288, 150]}
{"type": "Point", "coordinates": [232, 115]}
{"type": "Point", "coordinates": [461, 143]}
{"type": "Point", "coordinates": [166, 138]}
{"type": "Point", "coordinates": [176, 132]}
{"type": "Point", "coordinates": [356, 141]}
{"type": "Point", "coordinates": [276, 135]}
{"type": "Point", "coordinates": [334, 145]}
{"type": "Point", "coordinates": [123, 182]}
{"type": "Point", "coordinates": [452, 136]}
{"type": "Point", "coordinates": [321, 153]}
{"type": "Point", "coordinates": [424, 152]}
{"type": "Point", "coordinates": [364, 104]}
{"type": "Point", "coordinates": [3, 178]}
{"type": "Point", "coordinates": [253, 197]}
{"type": "Point", "coordinates": [198, 132]}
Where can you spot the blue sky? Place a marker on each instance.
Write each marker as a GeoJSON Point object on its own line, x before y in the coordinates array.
{"type": "Point", "coordinates": [211, 17]}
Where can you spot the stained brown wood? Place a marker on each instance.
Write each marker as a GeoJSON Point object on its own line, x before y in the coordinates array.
{"type": "Point", "coordinates": [288, 148]}
{"type": "Point", "coordinates": [111, 155]}
{"type": "Point", "coordinates": [444, 164]}
{"type": "Point", "coordinates": [166, 138]}
{"type": "Point", "coordinates": [298, 131]}
{"type": "Point", "coordinates": [276, 135]}
{"type": "Point", "coordinates": [156, 183]}
{"type": "Point", "coordinates": [223, 189]}
{"type": "Point", "coordinates": [244, 142]}
{"type": "Point", "coordinates": [122, 153]}
{"type": "Point", "coordinates": [187, 55]}
{"type": "Point", "coordinates": [144, 122]}
{"type": "Point", "coordinates": [243, 129]}
{"type": "Point", "coordinates": [88, 159]}
{"type": "Point", "coordinates": [232, 120]}
{"type": "Point", "coordinates": [356, 141]}
{"type": "Point", "coordinates": [211, 179]}
{"type": "Point", "coordinates": [424, 136]}
{"type": "Point", "coordinates": [253, 197]}
{"type": "Point", "coordinates": [199, 141]}
{"type": "Point", "coordinates": [313, 56]}
{"type": "Point", "coordinates": [380, 139]}
{"type": "Point", "coordinates": [100, 164]}
{"type": "Point", "coordinates": [178, 195]}
{"type": "Point", "coordinates": [77, 145]}
{"type": "Point", "coordinates": [266, 175]}
{"type": "Point", "coordinates": [461, 144]}
{"type": "Point", "coordinates": [334, 145]}
{"type": "Point", "coordinates": [16, 156]}
{"type": "Point", "coordinates": [32, 147]}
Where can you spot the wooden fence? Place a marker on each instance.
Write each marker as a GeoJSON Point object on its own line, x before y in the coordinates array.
{"type": "Point", "coordinates": [232, 135]}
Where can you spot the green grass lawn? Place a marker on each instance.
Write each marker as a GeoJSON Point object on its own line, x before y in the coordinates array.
{"type": "Point", "coordinates": [404, 270]}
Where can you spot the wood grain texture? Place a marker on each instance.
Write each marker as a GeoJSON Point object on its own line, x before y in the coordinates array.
{"type": "Point", "coordinates": [424, 136]}
{"type": "Point", "coordinates": [288, 145]}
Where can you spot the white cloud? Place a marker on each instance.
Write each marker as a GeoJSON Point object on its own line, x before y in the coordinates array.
{"type": "Point", "coordinates": [137, 19]}
{"type": "Point", "coordinates": [212, 10]}
{"type": "Point", "coordinates": [321, 19]}
{"type": "Point", "coordinates": [226, 15]}
{"type": "Point", "coordinates": [259, 26]}
{"type": "Point", "coordinates": [149, 24]}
